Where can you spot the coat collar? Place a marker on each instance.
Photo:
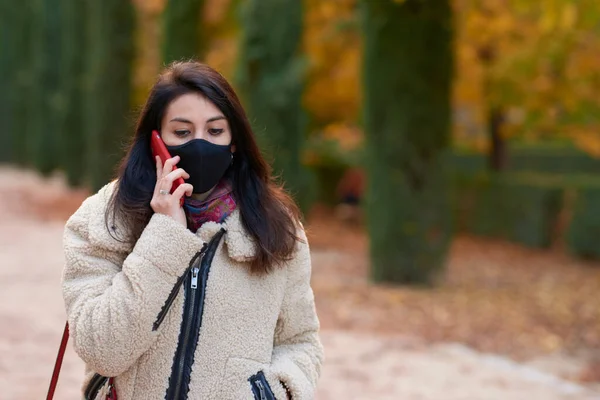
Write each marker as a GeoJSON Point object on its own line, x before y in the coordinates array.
{"type": "Point", "coordinates": [241, 246]}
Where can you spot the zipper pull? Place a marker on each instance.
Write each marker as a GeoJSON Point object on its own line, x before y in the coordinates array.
{"type": "Point", "coordinates": [261, 387]}
{"type": "Point", "coordinates": [195, 272]}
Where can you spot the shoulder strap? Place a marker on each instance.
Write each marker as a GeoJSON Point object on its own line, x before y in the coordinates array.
{"type": "Point", "coordinates": [58, 364]}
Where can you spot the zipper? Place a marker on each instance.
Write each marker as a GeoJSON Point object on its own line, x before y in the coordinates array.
{"type": "Point", "coordinates": [260, 387]}
{"type": "Point", "coordinates": [175, 291]}
{"type": "Point", "coordinates": [179, 367]}
{"type": "Point", "coordinates": [194, 295]}
{"type": "Point", "coordinates": [194, 284]}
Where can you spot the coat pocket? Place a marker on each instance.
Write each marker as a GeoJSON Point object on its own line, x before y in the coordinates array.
{"type": "Point", "coordinates": [260, 387]}
{"type": "Point", "coordinates": [236, 384]}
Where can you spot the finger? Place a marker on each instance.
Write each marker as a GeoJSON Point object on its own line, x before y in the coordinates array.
{"type": "Point", "coordinates": [171, 176]}
{"type": "Point", "coordinates": [185, 188]}
{"type": "Point", "coordinates": [166, 182]}
{"type": "Point", "coordinates": [159, 166]}
{"type": "Point", "coordinates": [158, 172]}
{"type": "Point", "coordinates": [169, 165]}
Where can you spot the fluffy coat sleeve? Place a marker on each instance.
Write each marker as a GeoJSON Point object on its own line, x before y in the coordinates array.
{"type": "Point", "coordinates": [113, 298]}
{"type": "Point", "coordinates": [297, 352]}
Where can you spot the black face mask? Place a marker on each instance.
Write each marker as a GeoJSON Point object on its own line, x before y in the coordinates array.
{"type": "Point", "coordinates": [204, 161]}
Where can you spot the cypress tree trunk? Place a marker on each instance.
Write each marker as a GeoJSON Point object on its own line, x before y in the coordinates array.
{"type": "Point", "coordinates": [271, 79]}
{"type": "Point", "coordinates": [48, 101]}
{"type": "Point", "coordinates": [108, 86]}
{"type": "Point", "coordinates": [498, 154]}
{"type": "Point", "coordinates": [8, 65]}
{"type": "Point", "coordinates": [407, 86]}
{"type": "Point", "coordinates": [72, 81]}
{"type": "Point", "coordinates": [182, 36]}
{"type": "Point", "coordinates": [24, 81]}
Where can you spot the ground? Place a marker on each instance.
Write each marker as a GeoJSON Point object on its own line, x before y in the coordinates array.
{"type": "Point", "coordinates": [502, 323]}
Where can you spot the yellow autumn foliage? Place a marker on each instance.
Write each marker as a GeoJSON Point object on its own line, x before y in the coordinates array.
{"type": "Point", "coordinates": [536, 60]}
{"type": "Point", "coordinates": [333, 46]}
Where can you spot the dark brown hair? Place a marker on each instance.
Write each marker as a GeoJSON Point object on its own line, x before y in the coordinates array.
{"type": "Point", "coordinates": [268, 213]}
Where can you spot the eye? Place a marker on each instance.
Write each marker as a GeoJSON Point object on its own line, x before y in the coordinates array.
{"type": "Point", "coordinates": [182, 132]}
{"type": "Point", "coordinates": [215, 131]}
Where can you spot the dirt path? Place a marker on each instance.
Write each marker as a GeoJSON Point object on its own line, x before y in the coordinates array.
{"type": "Point", "coordinates": [358, 366]}
{"type": "Point", "coordinates": [392, 368]}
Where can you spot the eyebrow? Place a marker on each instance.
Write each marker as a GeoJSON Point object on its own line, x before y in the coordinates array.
{"type": "Point", "coordinates": [216, 118]}
{"type": "Point", "coordinates": [179, 119]}
{"type": "Point", "coordinates": [187, 121]}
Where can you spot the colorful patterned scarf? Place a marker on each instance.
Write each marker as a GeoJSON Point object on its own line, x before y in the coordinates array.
{"type": "Point", "coordinates": [216, 207]}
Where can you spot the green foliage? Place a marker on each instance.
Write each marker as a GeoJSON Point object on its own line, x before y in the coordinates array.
{"type": "Point", "coordinates": [407, 78]}
{"type": "Point", "coordinates": [584, 228]}
{"type": "Point", "coordinates": [75, 48]}
{"type": "Point", "coordinates": [108, 86]}
{"type": "Point", "coordinates": [8, 63]}
{"type": "Point", "coordinates": [65, 76]}
{"type": "Point", "coordinates": [529, 208]}
{"type": "Point", "coordinates": [182, 36]}
{"type": "Point", "coordinates": [329, 161]}
{"type": "Point", "coordinates": [327, 179]}
{"type": "Point", "coordinates": [322, 151]}
{"type": "Point", "coordinates": [22, 73]}
{"type": "Point", "coordinates": [270, 75]}
{"type": "Point", "coordinates": [519, 208]}
{"type": "Point", "coordinates": [555, 160]}
{"type": "Point", "coordinates": [49, 102]}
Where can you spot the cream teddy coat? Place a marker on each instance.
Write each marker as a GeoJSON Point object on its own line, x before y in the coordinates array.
{"type": "Point", "coordinates": [251, 326]}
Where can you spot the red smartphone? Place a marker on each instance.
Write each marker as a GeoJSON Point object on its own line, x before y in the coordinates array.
{"type": "Point", "coordinates": [159, 149]}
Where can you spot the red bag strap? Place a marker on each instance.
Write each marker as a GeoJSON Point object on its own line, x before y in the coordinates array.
{"type": "Point", "coordinates": [112, 393]}
{"type": "Point", "coordinates": [58, 363]}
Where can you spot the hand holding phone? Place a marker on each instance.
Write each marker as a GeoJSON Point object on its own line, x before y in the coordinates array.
{"type": "Point", "coordinates": [159, 149]}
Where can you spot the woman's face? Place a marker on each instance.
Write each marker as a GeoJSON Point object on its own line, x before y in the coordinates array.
{"type": "Point", "coordinates": [193, 116]}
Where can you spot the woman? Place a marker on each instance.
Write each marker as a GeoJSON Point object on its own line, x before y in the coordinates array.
{"type": "Point", "coordinates": [209, 300]}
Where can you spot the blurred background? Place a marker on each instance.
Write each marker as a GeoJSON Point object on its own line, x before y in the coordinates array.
{"type": "Point", "coordinates": [445, 154]}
